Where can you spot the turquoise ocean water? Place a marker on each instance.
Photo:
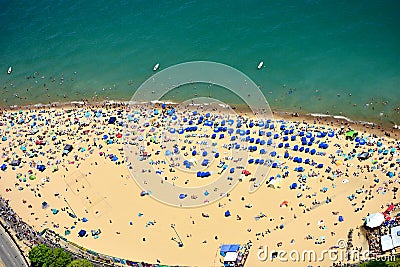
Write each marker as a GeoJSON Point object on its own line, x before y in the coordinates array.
{"type": "Point", "coordinates": [316, 53]}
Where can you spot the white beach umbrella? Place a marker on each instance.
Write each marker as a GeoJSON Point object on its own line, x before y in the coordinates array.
{"type": "Point", "coordinates": [375, 220]}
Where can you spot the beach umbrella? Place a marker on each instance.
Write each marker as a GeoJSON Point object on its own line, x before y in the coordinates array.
{"type": "Point", "coordinates": [168, 153]}
{"type": "Point", "coordinates": [4, 138]}
{"type": "Point", "coordinates": [227, 213]}
{"type": "Point", "coordinates": [341, 218]}
{"type": "Point", "coordinates": [182, 196]}
{"type": "Point", "coordinates": [331, 134]}
{"type": "Point", "coordinates": [206, 193]}
{"type": "Point", "coordinates": [374, 220]}
{"type": "Point", "coordinates": [273, 154]}
{"type": "Point", "coordinates": [84, 219]}
{"type": "Point", "coordinates": [232, 170]}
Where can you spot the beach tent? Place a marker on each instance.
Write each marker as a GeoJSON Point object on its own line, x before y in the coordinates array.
{"type": "Point", "coordinates": [82, 233]}
{"type": "Point", "coordinates": [41, 168]}
{"type": "Point", "coordinates": [351, 135]}
{"type": "Point", "coordinates": [3, 167]}
{"type": "Point", "coordinates": [67, 149]}
{"type": "Point", "coordinates": [112, 120]}
{"type": "Point", "coordinates": [374, 220]}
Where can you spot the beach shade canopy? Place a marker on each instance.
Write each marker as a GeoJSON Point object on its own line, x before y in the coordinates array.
{"type": "Point", "coordinates": [68, 148]}
{"type": "Point", "coordinates": [363, 156]}
{"type": "Point", "coordinates": [44, 205]}
{"type": "Point", "coordinates": [82, 233]}
{"type": "Point", "coordinates": [15, 163]}
{"type": "Point", "coordinates": [112, 120]}
{"type": "Point", "coordinates": [374, 220]}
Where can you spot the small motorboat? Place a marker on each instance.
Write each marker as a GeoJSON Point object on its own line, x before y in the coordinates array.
{"type": "Point", "coordinates": [260, 65]}
{"type": "Point", "coordinates": [156, 66]}
{"type": "Point", "coordinates": [9, 70]}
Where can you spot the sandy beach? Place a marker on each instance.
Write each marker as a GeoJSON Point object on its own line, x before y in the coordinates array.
{"type": "Point", "coordinates": [292, 203]}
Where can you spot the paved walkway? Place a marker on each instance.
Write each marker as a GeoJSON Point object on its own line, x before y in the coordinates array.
{"type": "Point", "coordinates": [9, 253]}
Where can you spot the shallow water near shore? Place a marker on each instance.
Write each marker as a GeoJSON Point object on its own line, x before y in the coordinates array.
{"type": "Point", "coordinates": [319, 56]}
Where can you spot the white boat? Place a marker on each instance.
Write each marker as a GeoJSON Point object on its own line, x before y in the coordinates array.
{"type": "Point", "coordinates": [156, 66]}
{"type": "Point", "coordinates": [260, 65]}
{"type": "Point", "coordinates": [9, 70]}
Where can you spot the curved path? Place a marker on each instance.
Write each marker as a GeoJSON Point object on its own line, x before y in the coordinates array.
{"type": "Point", "coordinates": [9, 253]}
